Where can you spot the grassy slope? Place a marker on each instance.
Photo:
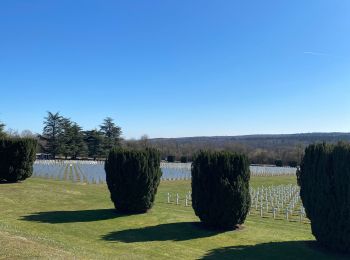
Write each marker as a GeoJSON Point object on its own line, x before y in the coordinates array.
{"type": "Point", "coordinates": [58, 219]}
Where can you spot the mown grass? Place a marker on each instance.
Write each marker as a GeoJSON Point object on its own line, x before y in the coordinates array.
{"type": "Point", "coordinates": [60, 219]}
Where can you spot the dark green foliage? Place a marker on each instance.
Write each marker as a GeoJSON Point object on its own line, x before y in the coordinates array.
{"type": "Point", "coordinates": [184, 159]}
{"type": "Point", "coordinates": [324, 179]}
{"type": "Point", "coordinates": [94, 141]}
{"type": "Point", "coordinates": [171, 158]}
{"type": "Point", "coordinates": [65, 137]}
{"type": "Point", "coordinates": [62, 136]}
{"type": "Point", "coordinates": [71, 139]}
{"type": "Point", "coordinates": [2, 130]}
{"type": "Point", "coordinates": [220, 188]}
{"type": "Point", "coordinates": [279, 163]}
{"type": "Point", "coordinates": [17, 156]}
{"type": "Point", "coordinates": [293, 164]}
{"type": "Point", "coordinates": [52, 132]}
{"type": "Point", "coordinates": [133, 177]}
{"type": "Point", "coordinates": [76, 144]}
{"type": "Point", "coordinates": [111, 133]}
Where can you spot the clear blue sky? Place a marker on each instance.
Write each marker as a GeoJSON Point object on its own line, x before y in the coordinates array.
{"type": "Point", "coordinates": [173, 68]}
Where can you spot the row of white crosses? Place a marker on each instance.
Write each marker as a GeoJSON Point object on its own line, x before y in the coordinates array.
{"type": "Point", "coordinates": [275, 200]}
{"type": "Point", "coordinates": [267, 201]}
{"type": "Point", "coordinates": [258, 170]}
{"type": "Point", "coordinates": [64, 162]}
{"type": "Point", "coordinates": [76, 171]}
{"type": "Point", "coordinates": [175, 198]}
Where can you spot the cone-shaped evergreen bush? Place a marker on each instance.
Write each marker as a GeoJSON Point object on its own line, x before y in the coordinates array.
{"type": "Point", "coordinates": [220, 188]}
{"type": "Point", "coordinates": [324, 179]}
{"type": "Point", "coordinates": [171, 158]}
{"type": "Point", "coordinates": [184, 159]}
{"type": "Point", "coordinates": [133, 177]}
{"type": "Point", "coordinates": [17, 156]}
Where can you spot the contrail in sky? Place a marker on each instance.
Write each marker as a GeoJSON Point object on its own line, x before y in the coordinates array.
{"type": "Point", "coordinates": [319, 54]}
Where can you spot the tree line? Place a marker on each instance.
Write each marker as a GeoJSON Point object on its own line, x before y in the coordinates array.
{"type": "Point", "coordinates": [63, 137]}
{"type": "Point", "coordinates": [287, 155]}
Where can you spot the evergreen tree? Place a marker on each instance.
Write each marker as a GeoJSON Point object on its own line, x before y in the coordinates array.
{"type": "Point", "coordinates": [324, 179]}
{"type": "Point", "coordinates": [220, 189]}
{"type": "Point", "coordinates": [51, 133]}
{"type": "Point", "coordinates": [71, 140]}
{"type": "Point", "coordinates": [111, 133]}
{"type": "Point", "coordinates": [171, 158]}
{"type": "Point", "coordinates": [2, 130]}
{"type": "Point", "coordinates": [65, 137]}
{"type": "Point", "coordinates": [132, 178]}
{"type": "Point", "coordinates": [184, 159]}
{"type": "Point", "coordinates": [76, 143]}
{"type": "Point", "coordinates": [293, 164]}
{"type": "Point", "coordinates": [279, 163]}
{"type": "Point", "coordinates": [94, 141]}
{"type": "Point", "coordinates": [17, 156]}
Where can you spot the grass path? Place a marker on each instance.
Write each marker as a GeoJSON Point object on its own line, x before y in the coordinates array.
{"type": "Point", "coordinates": [60, 219]}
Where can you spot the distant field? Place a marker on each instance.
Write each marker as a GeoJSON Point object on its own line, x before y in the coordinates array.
{"type": "Point", "coordinates": [61, 219]}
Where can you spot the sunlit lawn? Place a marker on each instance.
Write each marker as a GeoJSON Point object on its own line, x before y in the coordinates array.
{"type": "Point", "coordinates": [60, 219]}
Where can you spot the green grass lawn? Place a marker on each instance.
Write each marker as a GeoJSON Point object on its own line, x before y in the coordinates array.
{"type": "Point", "coordinates": [60, 219]}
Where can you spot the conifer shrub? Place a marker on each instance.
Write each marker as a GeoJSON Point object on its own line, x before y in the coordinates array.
{"type": "Point", "coordinates": [133, 177]}
{"type": "Point", "coordinates": [17, 156]}
{"type": "Point", "coordinates": [293, 164]}
{"type": "Point", "coordinates": [220, 189]}
{"type": "Point", "coordinates": [171, 158]}
{"type": "Point", "coordinates": [279, 163]}
{"type": "Point", "coordinates": [184, 159]}
{"type": "Point", "coordinates": [324, 179]}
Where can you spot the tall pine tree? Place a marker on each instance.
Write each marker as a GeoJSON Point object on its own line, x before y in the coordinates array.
{"type": "Point", "coordinates": [111, 133]}
{"type": "Point", "coordinates": [51, 133]}
{"type": "Point", "coordinates": [64, 139]}
{"type": "Point", "coordinates": [77, 144]}
{"type": "Point", "coordinates": [94, 141]}
{"type": "Point", "coordinates": [2, 130]}
{"type": "Point", "coordinates": [72, 139]}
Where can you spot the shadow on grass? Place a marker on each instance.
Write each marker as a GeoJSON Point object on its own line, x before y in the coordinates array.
{"type": "Point", "coordinates": [9, 182]}
{"type": "Point", "coordinates": [275, 250]}
{"type": "Point", "coordinates": [164, 232]}
{"type": "Point", "coordinates": [56, 217]}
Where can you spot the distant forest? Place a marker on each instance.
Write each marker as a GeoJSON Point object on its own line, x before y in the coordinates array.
{"type": "Point", "coordinates": [261, 149]}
